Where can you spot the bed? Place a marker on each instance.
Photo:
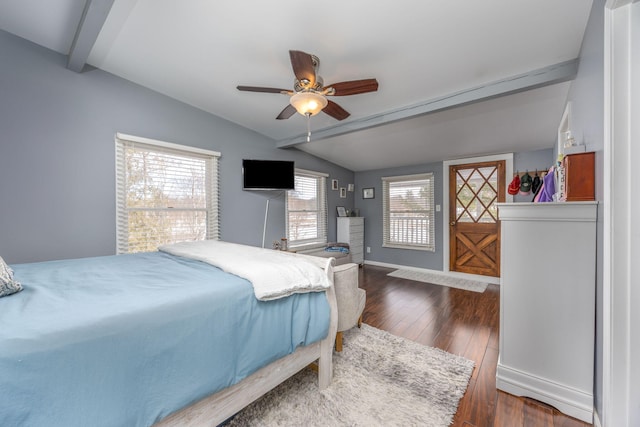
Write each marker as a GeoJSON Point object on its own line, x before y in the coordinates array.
{"type": "Point", "coordinates": [156, 338]}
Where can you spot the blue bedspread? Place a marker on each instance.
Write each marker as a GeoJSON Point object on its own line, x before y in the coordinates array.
{"type": "Point", "coordinates": [125, 340]}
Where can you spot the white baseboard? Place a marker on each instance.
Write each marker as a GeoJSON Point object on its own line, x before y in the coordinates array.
{"type": "Point", "coordinates": [485, 279]}
{"type": "Point", "coordinates": [564, 398]}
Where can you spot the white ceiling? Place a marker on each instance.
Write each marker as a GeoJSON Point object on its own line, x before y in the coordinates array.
{"type": "Point", "coordinates": [198, 51]}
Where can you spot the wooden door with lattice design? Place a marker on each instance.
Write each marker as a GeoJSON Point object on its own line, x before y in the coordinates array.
{"type": "Point", "coordinates": [474, 229]}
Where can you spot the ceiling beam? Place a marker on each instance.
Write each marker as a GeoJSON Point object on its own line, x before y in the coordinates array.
{"type": "Point", "coordinates": [93, 17]}
{"type": "Point", "coordinates": [549, 75]}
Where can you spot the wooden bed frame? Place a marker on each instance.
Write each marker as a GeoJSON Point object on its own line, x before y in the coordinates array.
{"type": "Point", "coordinates": [218, 407]}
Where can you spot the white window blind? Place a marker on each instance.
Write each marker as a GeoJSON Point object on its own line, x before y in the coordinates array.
{"type": "Point", "coordinates": [166, 193]}
{"type": "Point", "coordinates": [408, 212]}
{"type": "Point", "coordinates": [306, 217]}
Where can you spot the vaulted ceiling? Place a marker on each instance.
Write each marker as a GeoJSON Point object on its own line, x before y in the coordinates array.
{"type": "Point", "coordinates": [455, 79]}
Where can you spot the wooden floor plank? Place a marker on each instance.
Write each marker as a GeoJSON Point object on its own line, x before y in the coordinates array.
{"type": "Point", "coordinates": [562, 420]}
{"type": "Point", "coordinates": [537, 415]}
{"type": "Point", "coordinates": [509, 411]}
{"type": "Point", "coordinates": [477, 348]}
{"type": "Point", "coordinates": [478, 405]}
{"type": "Point", "coordinates": [465, 407]}
{"type": "Point", "coordinates": [486, 394]}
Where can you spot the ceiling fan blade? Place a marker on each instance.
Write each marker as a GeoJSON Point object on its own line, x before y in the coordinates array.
{"type": "Point", "coordinates": [263, 89]}
{"type": "Point", "coordinates": [335, 111]}
{"type": "Point", "coordinates": [354, 87]}
{"type": "Point", "coordinates": [288, 111]}
{"type": "Point", "coordinates": [303, 68]}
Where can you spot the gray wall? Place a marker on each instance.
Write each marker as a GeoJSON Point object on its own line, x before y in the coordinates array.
{"type": "Point", "coordinates": [587, 99]}
{"type": "Point", "coordinates": [57, 157]}
{"type": "Point", "coordinates": [371, 209]}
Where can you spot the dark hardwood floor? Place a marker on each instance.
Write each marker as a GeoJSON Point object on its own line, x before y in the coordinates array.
{"type": "Point", "coordinates": [460, 322]}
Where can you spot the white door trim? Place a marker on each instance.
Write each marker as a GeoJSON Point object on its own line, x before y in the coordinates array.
{"type": "Point", "coordinates": [620, 296]}
{"type": "Point", "coordinates": [508, 158]}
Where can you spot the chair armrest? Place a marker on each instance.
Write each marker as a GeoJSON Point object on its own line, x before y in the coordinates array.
{"type": "Point", "coordinates": [349, 296]}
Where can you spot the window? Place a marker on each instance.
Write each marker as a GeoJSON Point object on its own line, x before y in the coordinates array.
{"type": "Point", "coordinates": [408, 218]}
{"type": "Point", "coordinates": [165, 193]}
{"type": "Point", "coordinates": [306, 216]}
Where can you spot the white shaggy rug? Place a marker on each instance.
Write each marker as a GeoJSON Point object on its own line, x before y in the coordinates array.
{"type": "Point", "coordinates": [379, 380]}
{"type": "Point", "coordinates": [440, 279]}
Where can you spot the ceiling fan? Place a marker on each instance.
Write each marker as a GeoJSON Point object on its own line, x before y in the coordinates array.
{"type": "Point", "coordinates": [309, 95]}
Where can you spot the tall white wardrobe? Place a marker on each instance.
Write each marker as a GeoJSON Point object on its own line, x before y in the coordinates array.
{"type": "Point", "coordinates": [547, 303]}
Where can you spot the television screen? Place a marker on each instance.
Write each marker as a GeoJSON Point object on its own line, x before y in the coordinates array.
{"type": "Point", "coordinates": [267, 175]}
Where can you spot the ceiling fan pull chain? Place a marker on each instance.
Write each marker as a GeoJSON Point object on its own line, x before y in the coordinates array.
{"type": "Point", "coordinates": [308, 127]}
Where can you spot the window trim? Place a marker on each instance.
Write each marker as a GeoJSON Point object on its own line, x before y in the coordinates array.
{"type": "Point", "coordinates": [212, 184]}
{"type": "Point", "coordinates": [431, 245]}
{"type": "Point", "coordinates": [322, 210]}
{"type": "Point", "coordinates": [165, 144]}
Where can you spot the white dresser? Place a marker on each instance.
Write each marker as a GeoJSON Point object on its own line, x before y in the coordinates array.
{"type": "Point", "coordinates": [351, 231]}
{"type": "Point", "coordinates": [547, 303]}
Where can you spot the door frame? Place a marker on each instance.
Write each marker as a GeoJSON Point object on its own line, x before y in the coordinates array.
{"type": "Point", "coordinates": [508, 161]}
{"type": "Point", "coordinates": [619, 319]}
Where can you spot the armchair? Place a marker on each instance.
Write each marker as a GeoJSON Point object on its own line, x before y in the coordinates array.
{"type": "Point", "coordinates": [350, 298]}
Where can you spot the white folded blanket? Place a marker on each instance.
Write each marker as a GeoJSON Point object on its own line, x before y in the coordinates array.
{"type": "Point", "coordinates": [273, 274]}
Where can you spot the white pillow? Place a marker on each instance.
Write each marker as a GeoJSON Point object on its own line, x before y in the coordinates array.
{"type": "Point", "coordinates": [8, 286]}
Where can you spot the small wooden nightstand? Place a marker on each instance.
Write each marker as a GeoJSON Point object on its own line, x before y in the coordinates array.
{"type": "Point", "coordinates": [579, 169]}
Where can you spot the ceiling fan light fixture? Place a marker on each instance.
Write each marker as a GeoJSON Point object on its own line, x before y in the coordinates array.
{"type": "Point", "coordinates": [308, 103]}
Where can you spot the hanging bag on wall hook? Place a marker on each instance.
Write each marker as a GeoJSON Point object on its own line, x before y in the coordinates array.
{"type": "Point", "coordinates": [535, 184]}
{"type": "Point", "coordinates": [514, 186]}
{"type": "Point", "coordinates": [525, 184]}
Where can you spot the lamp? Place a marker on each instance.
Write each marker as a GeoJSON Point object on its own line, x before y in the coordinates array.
{"type": "Point", "coordinates": [308, 103]}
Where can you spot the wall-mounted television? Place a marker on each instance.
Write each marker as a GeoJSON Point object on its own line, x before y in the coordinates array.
{"type": "Point", "coordinates": [267, 175]}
